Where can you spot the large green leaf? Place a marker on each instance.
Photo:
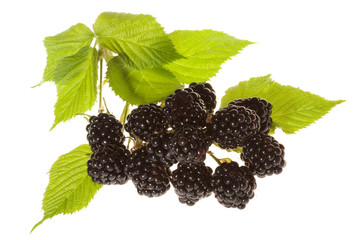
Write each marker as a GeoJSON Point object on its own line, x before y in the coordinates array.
{"type": "Point", "coordinates": [139, 39]}
{"type": "Point", "coordinates": [204, 52]}
{"type": "Point", "coordinates": [76, 79]}
{"type": "Point", "coordinates": [140, 86]}
{"type": "Point", "coordinates": [293, 109]}
{"type": "Point", "coordinates": [70, 188]}
{"type": "Point", "coordinates": [65, 44]}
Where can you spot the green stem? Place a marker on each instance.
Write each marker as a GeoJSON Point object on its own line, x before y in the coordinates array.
{"type": "Point", "coordinates": [129, 141]}
{"type": "Point", "coordinates": [106, 106]}
{"type": "Point", "coordinates": [101, 108]}
{"type": "Point", "coordinates": [124, 113]}
{"type": "Point", "coordinates": [214, 157]}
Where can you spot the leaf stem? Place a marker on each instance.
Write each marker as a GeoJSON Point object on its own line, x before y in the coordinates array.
{"type": "Point", "coordinates": [101, 108]}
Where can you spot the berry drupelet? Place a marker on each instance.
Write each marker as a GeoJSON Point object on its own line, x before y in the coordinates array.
{"type": "Point", "coordinates": [207, 94]}
{"type": "Point", "coordinates": [192, 182]}
{"type": "Point", "coordinates": [262, 107]}
{"type": "Point", "coordinates": [104, 129]}
{"type": "Point", "coordinates": [145, 121]}
{"type": "Point", "coordinates": [263, 155]}
{"type": "Point", "coordinates": [232, 185]}
{"type": "Point", "coordinates": [185, 107]}
{"type": "Point", "coordinates": [190, 144]}
{"type": "Point", "coordinates": [158, 148]}
{"type": "Point", "coordinates": [232, 125]}
{"type": "Point", "coordinates": [150, 177]}
{"type": "Point", "coordinates": [106, 165]}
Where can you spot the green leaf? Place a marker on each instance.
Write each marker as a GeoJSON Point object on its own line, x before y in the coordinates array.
{"type": "Point", "coordinates": [139, 39]}
{"type": "Point", "coordinates": [76, 79]}
{"type": "Point", "coordinates": [204, 52]}
{"type": "Point", "coordinates": [140, 86]}
{"type": "Point", "coordinates": [293, 109]}
{"type": "Point", "coordinates": [70, 188]}
{"type": "Point", "coordinates": [65, 44]}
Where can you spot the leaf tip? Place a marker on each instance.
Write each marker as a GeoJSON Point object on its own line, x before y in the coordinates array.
{"type": "Point", "coordinates": [53, 126]}
{"type": "Point", "coordinates": [37, 224]}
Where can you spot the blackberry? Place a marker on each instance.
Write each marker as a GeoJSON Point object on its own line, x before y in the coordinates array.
{"type": "Point", "coordinates": [190, 144]}
{"type": "Point", "coordinates": [232, 185]}
{"type": "Point", "coordinates": [192, 182]}
{"type": "Point", "coordinates": [262, 107]}
{"type": "Point", "coordinates": [207, 94]}
{"type": "Point", "coordinates": [104, 129]}
{"type": "Point", "coordinates": [146, 120]}
{"type": "Point", "coordinates": [232, 125]}
{"type": "Point", "coordinates": [106, 165]}
{"type": "Point", "coordinates": [185, 107]}
{"type": "Point", "coordinates": [150, 177]}
{"type": "Point", "coordinates": [263, 155]}
{"type": "Point", "coordinates": [158, 147]}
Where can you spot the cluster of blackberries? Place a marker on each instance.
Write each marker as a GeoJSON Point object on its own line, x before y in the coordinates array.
{"type": "Point", "coordinates": [181, 131]}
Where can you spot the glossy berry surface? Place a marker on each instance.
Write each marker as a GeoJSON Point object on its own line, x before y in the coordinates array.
{"type": "Point", "coordinates": [145, 121]}
{"type": "Point", "coordinates": [192, 182]}
{"type": "Point", "coordinates": [263, 155]}
{"type": "Point", "coordinates": [185, 107]}
{"type": "Point", "coordinates": [106, 165]}
{"type": "Point", "coordinates": [150, 177]}
{"type": "Point", "coordinates": [232, 125]}
{"type": "Point", "coordinates": [207, 94]}
{"type": "Point", "coordinates": [190, 144]}
{"type": "Point", "coordinates": [104, 129]}
{"type": "Point", "coordinates": [232, 185]}
{"type": "Point", "coordinates": [262, 107]}
{"type": "Point", "coordinates": [158, 148]}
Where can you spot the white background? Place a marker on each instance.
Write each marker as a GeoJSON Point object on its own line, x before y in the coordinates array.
{"type": "Point", "coordinates": [307, 44]}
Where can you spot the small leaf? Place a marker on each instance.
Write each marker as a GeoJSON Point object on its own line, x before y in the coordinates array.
{"type": "Point", "coordinates": [139, 39]}
{"type": "Point", "coordinates": [238, 149]}
{"type": "Point", "coordinates": [76, 79]}
{"type": "Point", "coordinates": [140, 86]}
{"type": "Point", "coordinates": [70, 188]}
{"type": "Point", "coordinates": [65, 44]}
{"type": "Point", "coordinates": [293, 109]}
{"type": "Point", "coordinates": [204, 52]}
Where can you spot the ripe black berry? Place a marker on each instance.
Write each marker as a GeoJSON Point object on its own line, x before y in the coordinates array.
{"type": "Point", "coordinates": [104, 129]}
{"type": "Point", "coordinates": [232, 125]}
{"type": "Point", "coordinates": [146, 120]}
{"type": "Point", "coordinates": [158, 148]}
{"type": "Point", "coordinates": [232, 185]}
{"type": "Point", "coordinates": [262, 107]}
{"type": "Point", "coordinates": [192, 182]}
{"type": "Point", "coordinates": [263, 155]}
{"type": "Point", "coordinates": [150, 177]}
{"type": "Point", "coordinates": [207, 94]}
{"type": "Point", "coordinates": [185, 107]}
{"type": "Point", "coordinates": [106, 165]}
{"type": "Point", "coordinates": [190, 144]}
